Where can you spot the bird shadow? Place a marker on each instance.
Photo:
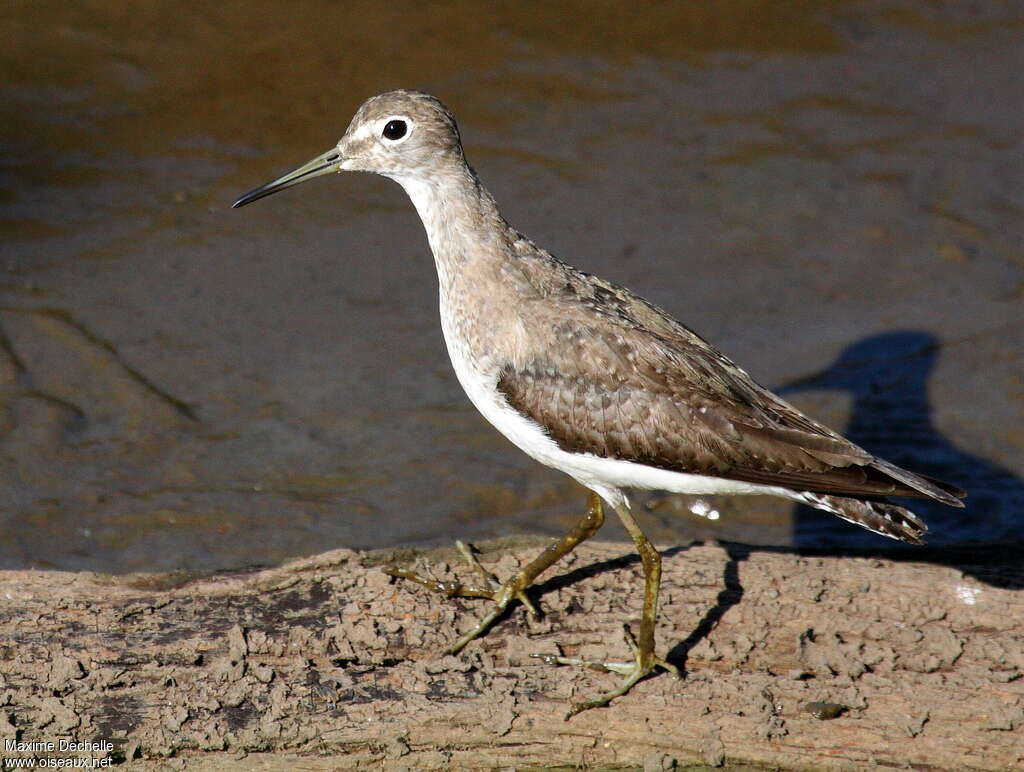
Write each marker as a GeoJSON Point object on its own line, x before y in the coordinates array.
{"type": "Point", "coordinates": [730, 595]}
{"type": "Point", "coordinates": [886, 376]}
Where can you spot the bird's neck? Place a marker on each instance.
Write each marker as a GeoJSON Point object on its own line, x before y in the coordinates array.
{"type": "Point", "coordinates": [463, 225]}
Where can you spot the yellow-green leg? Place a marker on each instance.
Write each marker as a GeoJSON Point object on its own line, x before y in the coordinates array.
{"type": "Point", "coordinates": [644, 658]}
{"type": "Point", "coordinates": [514, 588]}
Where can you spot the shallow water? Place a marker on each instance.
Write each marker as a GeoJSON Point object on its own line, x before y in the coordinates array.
{"type": "Point", "coordinates": [830, 192]}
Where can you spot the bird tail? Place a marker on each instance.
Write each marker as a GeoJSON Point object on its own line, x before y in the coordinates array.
{"type": "Point", "coordinates": [923, 484]}
{"type": "Point", "coordinates": [879, 516]}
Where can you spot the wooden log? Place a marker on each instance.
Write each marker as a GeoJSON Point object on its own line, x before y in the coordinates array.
{"type": "Point", "coordinates": [328, 663]}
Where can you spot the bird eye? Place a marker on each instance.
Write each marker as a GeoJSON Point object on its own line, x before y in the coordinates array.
{"type": "Point", "coordinates": [394, 129]}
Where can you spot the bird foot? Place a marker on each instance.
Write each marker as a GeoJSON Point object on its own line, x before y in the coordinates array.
{"type": "Point", "coordinates": [643, 664]}
{"type": "Point", "coordinates": [502, 593]}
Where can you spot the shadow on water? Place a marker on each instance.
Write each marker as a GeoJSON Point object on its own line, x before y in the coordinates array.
{"type": "Point", "coordinates": [887, 375]}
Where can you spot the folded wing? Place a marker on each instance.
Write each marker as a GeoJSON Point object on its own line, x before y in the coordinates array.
{"type": "Point", "coordinates": [623, 380]}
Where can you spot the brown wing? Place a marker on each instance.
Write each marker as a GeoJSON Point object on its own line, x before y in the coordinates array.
{"type": "Point", "coordinates": [606, 383]}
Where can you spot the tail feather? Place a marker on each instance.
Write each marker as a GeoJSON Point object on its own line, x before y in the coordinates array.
{"type": "Point", "coordinates": [879, 516]}
{"type": "Point", "coordinates": [929, 486]}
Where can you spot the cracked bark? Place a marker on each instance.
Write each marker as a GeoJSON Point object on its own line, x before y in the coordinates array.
{"type": "Point", "coordinates": [330, 660]}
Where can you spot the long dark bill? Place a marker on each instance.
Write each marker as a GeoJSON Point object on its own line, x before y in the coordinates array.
{"type": "Point", "coordinates": [322, 164]}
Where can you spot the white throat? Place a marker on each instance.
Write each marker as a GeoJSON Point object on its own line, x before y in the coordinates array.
{"type": "Point", "coordinates": [429, 204]}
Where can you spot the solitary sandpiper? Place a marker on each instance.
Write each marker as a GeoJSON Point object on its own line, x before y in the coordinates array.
{"type": "Point", "coordinates": [586, 377]}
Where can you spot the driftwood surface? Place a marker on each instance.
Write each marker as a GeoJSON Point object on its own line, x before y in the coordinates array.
{"type": "Point", "coordinates": [328, 663]}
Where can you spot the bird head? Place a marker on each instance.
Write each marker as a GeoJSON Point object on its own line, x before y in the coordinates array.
{"type": "Point", "coordinates": [400, 134]}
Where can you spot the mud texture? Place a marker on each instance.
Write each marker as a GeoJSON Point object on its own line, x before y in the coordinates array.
{"type": "Point", "coordinates": [791, 661]}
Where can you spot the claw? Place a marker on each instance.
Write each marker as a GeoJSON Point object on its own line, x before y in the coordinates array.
{"type": "Point", "coordinates": [496, 586]}
{"type": "Point", "coordinates": [503, 594]}
{"type": "Point", "coordinates": [635, 671]}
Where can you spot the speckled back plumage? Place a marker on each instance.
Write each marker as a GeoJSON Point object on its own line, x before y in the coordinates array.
{"type": "Point", "coordinates": [608, 373]}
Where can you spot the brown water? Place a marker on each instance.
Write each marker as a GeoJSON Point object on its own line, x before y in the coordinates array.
{"type": "Point", "coordinates": [831, 192]}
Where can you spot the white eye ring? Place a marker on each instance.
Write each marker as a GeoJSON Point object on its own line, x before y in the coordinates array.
{"type": "Point", "coordinates": [385, 124]}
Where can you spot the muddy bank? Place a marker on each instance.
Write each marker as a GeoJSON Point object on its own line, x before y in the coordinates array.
{"type": "Point", "coordinates": [331, 660]}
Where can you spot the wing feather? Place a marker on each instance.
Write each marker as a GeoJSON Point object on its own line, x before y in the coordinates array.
{"type": "Point", "coordinates": [638, 386]}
